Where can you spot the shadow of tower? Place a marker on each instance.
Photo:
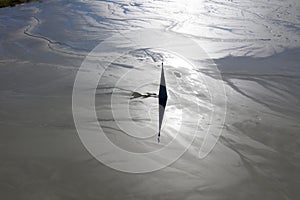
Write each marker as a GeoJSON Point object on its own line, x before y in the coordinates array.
{"type": "Point", "coordinates": [162, 99]}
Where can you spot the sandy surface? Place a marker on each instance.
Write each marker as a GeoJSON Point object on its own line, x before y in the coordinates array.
{"type": "Point", "coordinates": [256, 47]}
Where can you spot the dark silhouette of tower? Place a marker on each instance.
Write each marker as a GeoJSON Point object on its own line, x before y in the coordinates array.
{"type": "Point", "coordinates": [162, 99]}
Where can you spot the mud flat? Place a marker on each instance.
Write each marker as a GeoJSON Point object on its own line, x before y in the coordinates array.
{"type": "Point", "coordinates": [42, 46]}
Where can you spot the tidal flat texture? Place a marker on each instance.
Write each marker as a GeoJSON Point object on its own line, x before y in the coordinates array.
{"type": "Point", "coordinates": [256, 46]}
